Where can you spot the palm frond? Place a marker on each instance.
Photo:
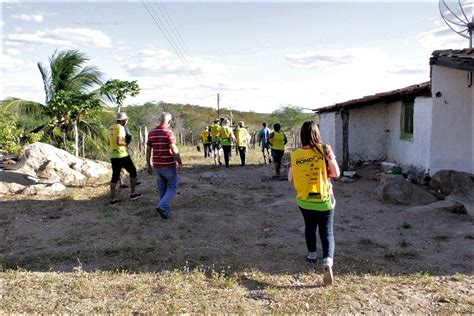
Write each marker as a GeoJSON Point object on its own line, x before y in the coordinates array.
{"type": "Point", "coordinates": [23, 107]}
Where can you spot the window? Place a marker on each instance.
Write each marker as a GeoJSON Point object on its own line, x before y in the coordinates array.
{"type": "Point", "coordinates": [406, 120]}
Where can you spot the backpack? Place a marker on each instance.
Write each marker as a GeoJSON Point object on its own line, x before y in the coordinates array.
{"type": "Point", "coordinates": [310, 177]}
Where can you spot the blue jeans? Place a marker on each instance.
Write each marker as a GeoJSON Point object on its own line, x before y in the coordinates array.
{"type": "Point", "coordinates": [167, 181]}
{"type": "Point", "coordinates": [323, 221]}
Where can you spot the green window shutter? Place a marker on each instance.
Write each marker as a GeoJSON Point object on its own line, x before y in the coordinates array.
{"type": "Point", "coordinates": [406, 120]}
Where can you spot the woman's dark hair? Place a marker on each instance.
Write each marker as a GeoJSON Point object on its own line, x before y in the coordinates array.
{"type": "Point", "coordinates": [310, 135]}
{"type": "Point", "coordinates": [276, 127]}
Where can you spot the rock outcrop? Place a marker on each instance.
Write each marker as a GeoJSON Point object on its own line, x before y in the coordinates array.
{"type": "Point", "coordinates": [47, 170]}
{"type": "Point", "coordinates": [395, 189]}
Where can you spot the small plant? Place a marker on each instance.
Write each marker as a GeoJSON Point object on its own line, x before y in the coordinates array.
{"type": "Point", "coordinates": [366, 242]}
{"type": "Point", "coordinates": [403, 243]}
{"type": "Point", "coordinates": [406, 225]}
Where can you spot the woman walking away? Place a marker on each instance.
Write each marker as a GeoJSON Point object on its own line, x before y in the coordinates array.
{"type": "Point", "coordinates": [310, 170]}
{"type": "Point", "coordinates": [241, 135]}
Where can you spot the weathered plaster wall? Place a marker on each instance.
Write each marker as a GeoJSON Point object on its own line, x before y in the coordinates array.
{"type": "Point", "coordinates": [330, 125]}
{"type": "Point", "coordinates": [367, 133]}
{"type": "Point", "coordinates": [410, 152]}
{"type": "Point", "coordinates": [453, 123]}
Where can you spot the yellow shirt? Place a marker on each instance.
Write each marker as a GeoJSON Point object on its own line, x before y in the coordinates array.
{"type": "Point", "coordinates": [215, 131]}
{"type": "Point", "coordinates": [241, 135]}
{"type": "Point", "coordinates": [117, 151]}
{"type": "Point", "coordinates": [204, 135]}
{"type": "Point", "coordinates": [278, 141]}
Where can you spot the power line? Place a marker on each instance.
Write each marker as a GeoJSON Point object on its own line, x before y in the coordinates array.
{"type": "Point", "coordinates": [162, 27]}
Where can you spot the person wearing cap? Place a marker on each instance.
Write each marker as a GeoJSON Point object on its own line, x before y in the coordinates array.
{"type": "Point", "coordinates": [227, 138]}
{"type": "Point", "coordinates": [166, 163]}
{"type": "Point", "coordinates": [206, 142]}
{"type": "Point", "coordinates": [215, 131]}
{"type": "Point", "coordinates": [242, 136]}
{"type": "Point", "coordinates": [120, 158]}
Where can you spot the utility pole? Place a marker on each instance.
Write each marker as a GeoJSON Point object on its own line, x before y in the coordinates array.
{"type": "Point", "coordinates": [218, 111]}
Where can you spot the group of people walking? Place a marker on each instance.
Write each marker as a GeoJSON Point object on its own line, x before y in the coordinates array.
{"type": "Point", "coordinates": [220, 135]}
{"type": "Point", "coordinates": [310, 169]}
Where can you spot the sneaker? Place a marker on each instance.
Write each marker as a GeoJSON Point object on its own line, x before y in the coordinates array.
{"type": "Point", "coordinates": [134, 196]}
{"type": "Point", "coordinates": [327, 272]}
{"type": "Point", "coordinates": [162, 212]}
{"type": "Point", "coordinates": [114, 201]}
{"type": "Point", "coordinates": [138, 182]}
{"type": "Point", "coordinates": [310, 260]}
{"type": "Point", "coordinates": [123, 186]}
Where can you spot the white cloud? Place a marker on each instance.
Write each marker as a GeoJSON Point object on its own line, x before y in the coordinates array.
{"type": "Point", "coordinates": [28, 17]}
{"type": "Point", "coordinates": [442, 38]}
{"type": "Point", "coordinates": [13, 51]}
{"type": "Point", "coordinates": [69, 37]}
{"type": "Point", "coordinates": [151, 62]}
{"type": "Point", "coordinates": [2, 23]}
{"type": "Point", "coordinates": [11, 64]}
{"type": "Point", "coordinates": [333, 58]}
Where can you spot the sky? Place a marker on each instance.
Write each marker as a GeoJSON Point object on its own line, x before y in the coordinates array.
{"type": "Point", "coordinates": [258, 56]}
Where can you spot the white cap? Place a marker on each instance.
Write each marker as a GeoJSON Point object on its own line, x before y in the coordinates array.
{"type": "Point", "coordinates": [122, 116]}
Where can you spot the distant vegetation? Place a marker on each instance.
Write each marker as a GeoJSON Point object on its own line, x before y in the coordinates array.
{"type": "Point", "coordinates": [76, 115]}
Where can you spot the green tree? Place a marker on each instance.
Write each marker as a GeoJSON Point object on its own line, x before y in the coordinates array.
{"type": "Point", "coordinates": [289, 117]}
{"type": "Point", "coordinates": [117, 91]}
{"type": "Point", "coordinates": [69, 98]}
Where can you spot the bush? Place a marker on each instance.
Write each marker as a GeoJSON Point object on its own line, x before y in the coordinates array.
{"type": "Point", "coordinates": [10, 134]}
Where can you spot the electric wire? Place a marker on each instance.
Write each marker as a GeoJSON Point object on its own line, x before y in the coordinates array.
{"type": "Point", "coordinates": [161, 26]}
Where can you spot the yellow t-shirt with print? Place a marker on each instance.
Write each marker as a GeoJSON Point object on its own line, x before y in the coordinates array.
{"type": "Point", "coordinates": [117, 151]}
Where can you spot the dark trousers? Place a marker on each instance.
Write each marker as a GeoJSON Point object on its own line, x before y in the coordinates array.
{"type": "Point", "coordinates": [242, 152]}
{"type": "Point", "coordinates": [207, 150]}
{"type": "Point", "coordinates": [323, 221]}
{"type": "Point", "coordinates": [227, 150]}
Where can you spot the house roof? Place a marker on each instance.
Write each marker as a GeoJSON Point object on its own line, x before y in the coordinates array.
{"type": "Point", "coordinates": [384, 97]}
{"type": "Point", "coordinates": [462, 59]}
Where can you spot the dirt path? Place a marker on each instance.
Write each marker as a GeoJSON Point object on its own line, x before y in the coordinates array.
{"type": "Point", "coordinates": [237, 218]}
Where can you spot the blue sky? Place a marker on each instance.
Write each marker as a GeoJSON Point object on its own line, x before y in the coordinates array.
{"type": "Point", "coordinates": [257, 55]}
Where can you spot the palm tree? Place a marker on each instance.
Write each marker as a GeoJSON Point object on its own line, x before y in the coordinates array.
{"type": "Point", "coordinates": [68, 84]}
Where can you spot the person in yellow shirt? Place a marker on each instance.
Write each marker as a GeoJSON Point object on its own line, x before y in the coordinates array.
{"type": "Point", "coordinates": [120, 159]}
{"type": "Point", "coordinates": [227, 138]}
{"type": "Point", "coordinates": [215, 131]}
{"type": "Point", "coordinates": [310, 171]}
{"type": "Point", "coordinates": [277, 141]}
{"type": "Point", "coordinates": [242, 137]}
{"type": "Point", "coordinates": [206, 141]}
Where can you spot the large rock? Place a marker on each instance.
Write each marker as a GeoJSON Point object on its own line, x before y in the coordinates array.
{"type": "Point", "coordinates": [395, 189]}
{"type": "Point", "coordinates": [46, 170]}
{"type": "Point", "coordinates": [453, 182]}
{"type": "Point", "coordinates": [52, 165]}
{"type": "Point", "coordinates": [443, 206]}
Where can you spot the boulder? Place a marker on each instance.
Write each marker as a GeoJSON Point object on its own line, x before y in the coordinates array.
{"type": "Point", "coordinates": [453, 182]}
{"type": "Point", "coordinates": [395, 189]}
{"type": "Point", "coordinates": [52, 165]}
{"type": "Point", "coordinates": [443, 206]}
{"type": "Point", "coordinates": [46, 170]}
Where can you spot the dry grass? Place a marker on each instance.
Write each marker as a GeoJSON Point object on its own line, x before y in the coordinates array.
{"type": "Point", "coordinates": [75, 254]}
{"type": "Point", "coordinates": [195, 291]}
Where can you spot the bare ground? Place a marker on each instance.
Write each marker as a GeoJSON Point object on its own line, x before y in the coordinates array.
{"type": "Point", "coordinates": [245, 224]}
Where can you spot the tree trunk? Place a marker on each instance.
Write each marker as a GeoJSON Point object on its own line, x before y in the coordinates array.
{"type": "Point", "coordinates": [76, 139]}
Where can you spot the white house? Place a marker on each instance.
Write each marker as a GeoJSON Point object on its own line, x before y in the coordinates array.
{"type": "Point", "coordinates": [429, 126]}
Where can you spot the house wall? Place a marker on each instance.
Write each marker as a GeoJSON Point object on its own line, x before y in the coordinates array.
{"type": "Point", "coordinates": [453, 123]}
{"type": "Point", "coordinates": [367, 133]}
{"type": "Point", "coordinates": [410, 152]}
{"type": "Point", "coordinates": [330, 127]}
